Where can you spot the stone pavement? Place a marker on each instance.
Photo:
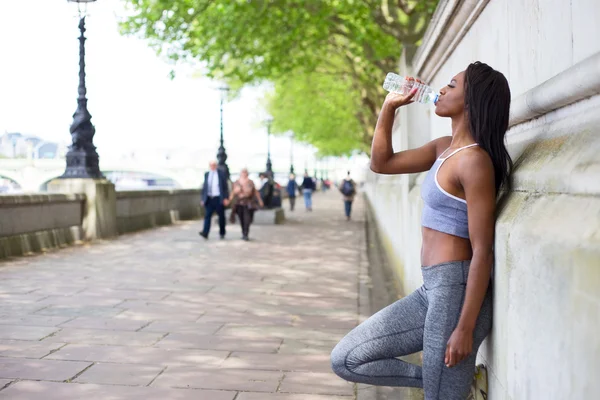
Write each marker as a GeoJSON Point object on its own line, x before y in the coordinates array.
{"type": "Point", "coordinates": [163, 314]}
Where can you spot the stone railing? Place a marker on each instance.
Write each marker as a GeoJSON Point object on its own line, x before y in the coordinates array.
{"type": "Point", "coordinates": [34, 223]}
{"type": "Point", "coordinates": [138, 209]}
{"type": "Point", "coordinates": [40, 222]}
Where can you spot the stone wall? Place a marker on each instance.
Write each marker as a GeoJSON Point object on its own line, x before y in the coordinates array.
{"type": "Point", "coordinates": [138, 209]}
{"type": "Point", "coordinates": [34, 223]}
{"type": "Point", "coordinates": [544, 344]}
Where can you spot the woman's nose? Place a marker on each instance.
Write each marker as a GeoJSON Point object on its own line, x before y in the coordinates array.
{"type": "Point", "coordinates": [443, 90]}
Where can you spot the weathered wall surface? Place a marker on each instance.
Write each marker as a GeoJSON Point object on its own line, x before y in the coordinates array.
{"type": "Point", "coordinates": [33, 223]}
{"type": "Point", "coordinates": [545, 342]}
{"type": "Point", "coordinates": [138, 209]}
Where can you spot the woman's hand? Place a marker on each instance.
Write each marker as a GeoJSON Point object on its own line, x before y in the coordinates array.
{"type": "Point", "coordinates": [226, 202]}
{"type": "Point", "coordinates": [261, 204]}
{"type": "Point", "coordinates": [396, 100]}
{"type": "Point", "coordinates": [459, 347]}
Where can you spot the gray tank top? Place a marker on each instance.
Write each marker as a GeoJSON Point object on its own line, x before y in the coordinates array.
{"type": "Point", "coordinates": [442, 211]}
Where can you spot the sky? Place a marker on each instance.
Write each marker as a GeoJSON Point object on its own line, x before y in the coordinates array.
{"type": "Point", "coordinates": [135, 106]}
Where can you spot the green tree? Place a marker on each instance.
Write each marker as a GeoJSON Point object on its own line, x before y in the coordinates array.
{"type": "Point", "coordinates": [326, 58]}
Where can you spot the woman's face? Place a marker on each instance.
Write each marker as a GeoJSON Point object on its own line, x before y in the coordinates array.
{"type": "Point", "coordinates": [452, 97]}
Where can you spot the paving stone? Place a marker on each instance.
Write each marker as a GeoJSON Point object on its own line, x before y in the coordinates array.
{"type": "Point", "coordinates": [98, 336]}
{"type": "Point", "coordinates": [140, 355]}
{"type": "Point", "coordinates": [225, 379]}
{"type": "Point", "coordinates": [28, 390]}
{"type": "Point", "coordinates": [345, 323]}
{"type": "Point", "coordinates": [315, 383]}
{"type": "Point", "coordinates": [278, 362]}
{"type": "Point", "coordinates": [288, 396]}
{"type": "Point", "coordinates": [25, 332]}
{"type": "Point", "coordinates": [167, 306]}
{"type": "Point", "coordinates": [191, 341]}
{"type": "Point", "coordinates": [85, 311]}
{"type": "Point", "coordinates": [245, 319]}
{"type": "Point", "coordinates": [127, 294]}
{"type": "Point", "coordinates": [32, 320]}
{"type": "Point", "coordinates": [120, 374]}
{"type": "Point", "coordinates": [49, 370]}
{"type": "Point", "coordinates": [282, 332]}
{"type": "Point", "coordinates": [290, 346]}
{"type": "Point", "coordinates": [112, 324]}
{"type": "Point", "coordinates": [183, 327]}
{"type": "Point", "coordinates": [157, 314]}
{"type": "Point", "coordinates": [27, 349]}
{"type": "Point", "coordinates": [80, 300]}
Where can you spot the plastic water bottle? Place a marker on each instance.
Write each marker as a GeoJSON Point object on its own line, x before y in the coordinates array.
{"type": "Point", "coordinates": [403, 85]}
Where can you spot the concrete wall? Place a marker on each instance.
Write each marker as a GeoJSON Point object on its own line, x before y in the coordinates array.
{"type": "Point", "coordinates": [138, 209]}
{"type": "Point", "coordinates": [545, 342]}
{"type": "Point", "coordinates": [34, 223]}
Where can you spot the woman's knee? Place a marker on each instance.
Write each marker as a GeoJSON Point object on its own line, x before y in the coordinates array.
{"type": "Point", "coordinates": [339, 356]}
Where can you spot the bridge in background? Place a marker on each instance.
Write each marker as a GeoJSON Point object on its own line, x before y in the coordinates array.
{"type": "Point", "coordinates": [32, 174]}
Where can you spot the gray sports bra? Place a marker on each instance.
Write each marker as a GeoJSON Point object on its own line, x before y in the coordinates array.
{"type": "Point", "coordinates": [442, 211]}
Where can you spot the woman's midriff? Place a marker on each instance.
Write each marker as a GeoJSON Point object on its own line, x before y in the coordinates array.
{"type": "Point", "coordinates": [439, 247]}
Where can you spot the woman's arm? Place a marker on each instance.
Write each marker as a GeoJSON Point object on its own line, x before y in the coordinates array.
{"type": "Point", "coordinates": [476, 175]}
{"type": "Point", "coordinates": [383, 158]}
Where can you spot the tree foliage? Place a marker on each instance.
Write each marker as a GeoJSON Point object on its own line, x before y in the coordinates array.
{"type": "Point", "coordinates": [326, 58]}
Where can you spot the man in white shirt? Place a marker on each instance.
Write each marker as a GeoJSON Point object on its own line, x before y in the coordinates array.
{"type": "Point", "coordinates": [215, 192]}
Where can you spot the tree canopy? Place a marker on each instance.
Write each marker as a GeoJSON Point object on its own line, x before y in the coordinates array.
{"type": "Point", "coordinates": [325, 58]}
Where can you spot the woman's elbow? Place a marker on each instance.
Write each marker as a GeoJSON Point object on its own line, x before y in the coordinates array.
{"type": "Point", "coordinates": [376, 166]}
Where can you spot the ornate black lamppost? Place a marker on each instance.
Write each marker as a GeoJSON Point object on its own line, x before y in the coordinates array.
{"type": "Point", "coordinates": [291, 152]}
{"type": "Point", "coordinates": [221, 154]}
{"type": "Point", "coordinates": [82, 158]}
{"type": "Point", "coordinates": [268, 122]}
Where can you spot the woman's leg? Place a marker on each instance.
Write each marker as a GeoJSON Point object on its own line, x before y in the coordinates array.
{"type": "Point", "coordinates": [445, 287]}
{"type": "Point", "coordinates": [368, 353]}
{"type": "Point", "coordinates": [292, 203]}
{"type": "Point", "coordinates": [241, 210]}
{"type": "Point", "coordinates": [247, 220]}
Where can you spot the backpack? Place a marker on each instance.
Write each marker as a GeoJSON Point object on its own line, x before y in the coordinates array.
{"type": "Point", "coordinates": [348, 188]}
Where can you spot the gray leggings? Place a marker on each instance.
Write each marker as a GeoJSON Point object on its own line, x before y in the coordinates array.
{"type": "Point", "coordinates": [424, 321]}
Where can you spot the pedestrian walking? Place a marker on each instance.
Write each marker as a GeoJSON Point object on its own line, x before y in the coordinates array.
{"type": "Point", "coordinates": [215, 191]}
{"type": "Point", "coordinates": [308, 187]}
{"type": "Point", "coordinates": [247, 200]}
{"type": "Point", "coordinates": [267, 188]}
{"type": "Point", "coordinates": [451, 314]}
{"type": "Point", "coordinates": [292, 187]}
{"type": "Point", "coordinates": [348, 189]}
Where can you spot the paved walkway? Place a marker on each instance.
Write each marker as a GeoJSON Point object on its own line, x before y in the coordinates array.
{"type": "Point", "coordinates": [162, 314]}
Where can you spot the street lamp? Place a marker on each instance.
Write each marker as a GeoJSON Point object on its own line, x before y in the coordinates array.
{"type": "Point", "coordinates": [268, 122]}
{"type": "Point", "coordinates": [291, 134]}
{"type": "Point", "coordinates": [221, 154]}
{"type": "Point", "coordinates": [82, 158]}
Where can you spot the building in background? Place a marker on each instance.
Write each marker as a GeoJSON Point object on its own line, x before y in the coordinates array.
{"type": "Point", "coordinates": [18, 145]}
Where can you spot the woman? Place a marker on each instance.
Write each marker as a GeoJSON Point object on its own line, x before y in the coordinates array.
{"type": "Point", "coordinates": [450, 315]}
{"type": "Point", "coordinates": [247, 197]}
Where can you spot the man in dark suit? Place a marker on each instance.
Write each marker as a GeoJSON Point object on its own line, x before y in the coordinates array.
{"type": "Point", "coordinates": [215, 192]}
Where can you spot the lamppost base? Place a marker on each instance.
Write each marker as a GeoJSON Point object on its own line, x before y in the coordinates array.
{"type": "Point", "coordinates": [82, 164]}
{"type": "Point", "coordinates": [100, 206]}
